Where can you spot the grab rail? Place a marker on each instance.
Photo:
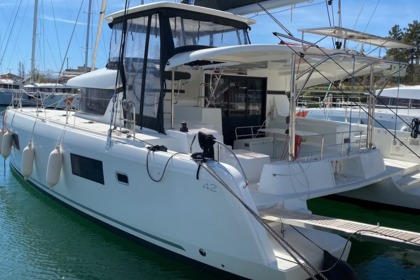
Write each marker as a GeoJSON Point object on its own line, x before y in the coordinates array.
{"type": "Point", "coordinates": [334, 143]}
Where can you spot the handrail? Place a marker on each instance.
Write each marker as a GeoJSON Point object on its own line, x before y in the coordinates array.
{"type": "Point", "coordinates": [343, 147]}
{"type": "Point", "coordinates": [315, 101]}
{"type": "Point", "coordinates": [251, 129]}
{"type": "Point", "coordinates": [128, 121]}
{"type": "Point", "coordinates": [343, 144]}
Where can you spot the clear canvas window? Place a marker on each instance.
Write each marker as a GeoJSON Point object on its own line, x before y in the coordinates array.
{"type": "Point", "coordinates": [192, 32]}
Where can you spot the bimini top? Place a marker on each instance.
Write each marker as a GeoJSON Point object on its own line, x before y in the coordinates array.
{"type": "Point", "coordinates": [147, 8]}
{"type": "Point", "coordinates": [245, 7]}
{"type": "Point", "coordinates": [357, 36]}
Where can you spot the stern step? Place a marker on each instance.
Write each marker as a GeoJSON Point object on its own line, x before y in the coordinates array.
{"type": "Point", "coordinates": [409, 181]}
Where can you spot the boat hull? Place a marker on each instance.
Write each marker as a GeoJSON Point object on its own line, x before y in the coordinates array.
{"type": "Point", "coordinates": [177, 208]}
{"type": "Point", "coordinates": [388, 194]}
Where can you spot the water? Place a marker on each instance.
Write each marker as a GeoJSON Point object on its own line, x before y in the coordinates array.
{"type": "Point", "coordinates": [372, 260]}
{"type": "Point", "coordinates": [42, 239]}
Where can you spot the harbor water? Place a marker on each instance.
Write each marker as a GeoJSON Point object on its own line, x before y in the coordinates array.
{"type": "Point", "coordinates": [42, 239]}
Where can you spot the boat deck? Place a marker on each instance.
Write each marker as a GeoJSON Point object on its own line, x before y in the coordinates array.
{"type": "Point", "coordinates": [73, 121]}
{"type": "Point", "coordinates": [361, 231]}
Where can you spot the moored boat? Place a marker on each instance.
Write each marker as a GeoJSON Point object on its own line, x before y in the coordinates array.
{"type": "Point", "coordinates": [395, 108]}
{"type": "Point", "coordinates": [148, 154]}
{"type": "Point", "coordinates": [9, 91]}
{"type": "Point", "coordinates": [50, 95]}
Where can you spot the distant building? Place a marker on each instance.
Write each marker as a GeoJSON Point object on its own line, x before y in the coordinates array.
{"type": "Point", "coordinates": [70, 73]}
{"type": "Point", "coordinates": [10, 76]}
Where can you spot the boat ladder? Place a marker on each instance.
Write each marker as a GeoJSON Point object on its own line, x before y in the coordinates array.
{"type": "Point", "coordinates": [360, 231]}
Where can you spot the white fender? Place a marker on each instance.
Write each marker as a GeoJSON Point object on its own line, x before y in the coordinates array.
{"type": "Point", "coordinates": [55, 161]}
{"type": "Point", "coordinates": [1, 137]}
{"type": "Point", "coordinates": [6, 144]}
{"type": "Point", "coordinates": [28, 156]}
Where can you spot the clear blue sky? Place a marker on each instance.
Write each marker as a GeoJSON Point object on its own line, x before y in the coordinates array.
{"type": "Point", "coordinates": [57, 18]}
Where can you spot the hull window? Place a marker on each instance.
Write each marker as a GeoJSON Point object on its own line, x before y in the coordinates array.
{"type": "Point", "coordinates": [87, 168]}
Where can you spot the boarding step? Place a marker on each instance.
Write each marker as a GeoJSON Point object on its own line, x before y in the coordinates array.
{"type": "Point", "coordinates": [409, 182]}
{"type": "Point", "coordinates": [401, 166]}
{"type": "Point", "coordinates": [361, 231]}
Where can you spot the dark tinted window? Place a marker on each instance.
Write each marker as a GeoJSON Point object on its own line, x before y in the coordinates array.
{"type": "Point", "coordinates": [87, 168]}
{"type": "Point", "coordinates": [122, 178]}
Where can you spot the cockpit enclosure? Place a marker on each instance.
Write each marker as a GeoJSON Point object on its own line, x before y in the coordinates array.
{"type": "Point", "coordinates": [143, 41]}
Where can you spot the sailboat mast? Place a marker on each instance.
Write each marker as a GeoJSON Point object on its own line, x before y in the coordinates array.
{"type": "Point", "coordinates": [98, 34]}
{"type": "Point", "coordinates": [87, 35]}
{"type": "Point", "coordinates": [34, 40]}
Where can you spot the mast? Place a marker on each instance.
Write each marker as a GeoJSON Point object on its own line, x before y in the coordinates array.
{"type": "Point", "coordinates": [292, 110]}
{"type": "Point", "coordinates": [87, 35]}
{"type": "Point", "coordinates": [34, 40]}
{"type": "Point", "coordinates": [98, 34]}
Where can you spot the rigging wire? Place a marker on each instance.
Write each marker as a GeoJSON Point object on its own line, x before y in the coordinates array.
{"type": "Point", "coordinates": [358, 16]}
{"type": "Point", "coordinates": [338, 88]}
{"type": "Point", "coordinates": [274, 19]}
{"type": "Point", "coordinates": [328, 13]}
{"type": "Point", "coordinates": [56, 30]}
{"type": "Point", "coordinates": [72, 33]}
{"type": "Point", "coordinates": [330, 20]}
{"type": "Point", "coordinates": [10, 33]}
{"type": "Point", "coordinates": [17, 45]}
{"type": "Point", "coordinates": [373, 13]}
{"type": "Point", "coordinates": [290, 9]}
{"type": "Point", "coordinates": [46, 42]}
{"type": "Point", "coordinates": [358, 82]}
{"type": "Point", "coordinates": [120, 75]}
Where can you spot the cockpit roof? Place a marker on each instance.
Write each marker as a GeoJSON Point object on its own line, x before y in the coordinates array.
{"type": "Point", "coordinates": [187, 8]}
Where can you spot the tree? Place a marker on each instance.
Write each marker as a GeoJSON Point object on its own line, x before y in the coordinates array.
{"type": "Point", "coordinates": [411, 36]}
{"type": "Point", "coordinates": [397, 54]}
{"type": "Point", "coordinates": [396, 33]}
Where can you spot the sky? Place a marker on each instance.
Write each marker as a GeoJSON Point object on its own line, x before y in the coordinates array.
{"type": "Point", "coordinates": [62, 27]}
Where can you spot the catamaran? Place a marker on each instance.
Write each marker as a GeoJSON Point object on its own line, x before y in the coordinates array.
{"type": "Point", "coordinates": [156, 149]}
{"type": "Point", "coordinates": [395, 107]}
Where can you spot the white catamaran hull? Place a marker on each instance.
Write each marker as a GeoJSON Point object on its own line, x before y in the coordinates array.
{"type": "Point", "coordinates": [193, 215]}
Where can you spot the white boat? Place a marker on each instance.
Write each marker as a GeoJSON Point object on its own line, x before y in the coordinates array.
{"type": "Point", "coordinates": [9, 90]}
{"type": "Point", "coordinates": [51, 95]}
{"type": "Point", "coordinates": [401, 151]}
{"type": "Point", "coordinates": [139, 153]}
{"type": "Point", "coordinates": [47, 95]}
{"type": "Point", "coordinates": [395, 135]}
{"type": "Point", "coordinates": [395, 108]}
